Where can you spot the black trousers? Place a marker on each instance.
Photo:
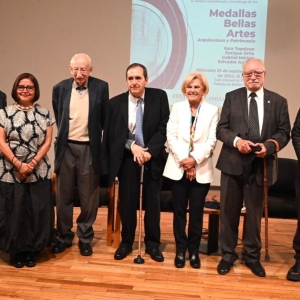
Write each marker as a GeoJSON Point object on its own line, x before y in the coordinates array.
{"type": "Point", "coordinates": [129, 182]}
{"type": "Point", "coordinates": [26, 216]}
{"type": "Point", "coordinates": [186, 193]}
{"type": "Point", "coordinates": [296, 241]}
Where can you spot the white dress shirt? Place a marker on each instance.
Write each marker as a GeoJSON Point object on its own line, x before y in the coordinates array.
{"type": "Point", "coordinates": [132, 108]}
{"type": "Point", "coordinates": [260, 107]}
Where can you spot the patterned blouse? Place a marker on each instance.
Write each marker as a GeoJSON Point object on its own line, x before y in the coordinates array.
{"type": "Point", "coordinates": [25, 134]}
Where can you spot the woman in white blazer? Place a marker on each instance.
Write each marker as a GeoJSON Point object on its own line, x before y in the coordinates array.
{"type": "Point", "coordinates": [191, 139]}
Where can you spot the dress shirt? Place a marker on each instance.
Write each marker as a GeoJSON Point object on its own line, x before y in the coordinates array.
{"type": "Point", "coordinates": [260, 107]}
{"type": "Point", "coordinates": [132, 108]}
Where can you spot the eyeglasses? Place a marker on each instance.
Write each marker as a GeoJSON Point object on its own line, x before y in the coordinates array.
{"type": "Point", "coordinates": [29, 88]}
{"type": "Point", "coordinates": [256, 73]}
{"type": "Point", "coordinates": [82, 71]}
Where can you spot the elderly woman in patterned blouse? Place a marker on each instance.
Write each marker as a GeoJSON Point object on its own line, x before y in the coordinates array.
{"type": "Point", "coordinates": [26, 208]}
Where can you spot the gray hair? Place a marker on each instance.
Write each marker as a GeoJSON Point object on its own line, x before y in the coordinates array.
{"type": "Point", "coordinates": [257, 59]}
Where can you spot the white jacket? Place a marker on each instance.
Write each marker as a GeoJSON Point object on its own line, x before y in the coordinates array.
{"type": "Point", "coordinates": [178, 140]}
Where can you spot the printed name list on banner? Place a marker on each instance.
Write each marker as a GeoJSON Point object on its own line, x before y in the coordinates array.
{"type": "Point", "coordinates": [175, 37]}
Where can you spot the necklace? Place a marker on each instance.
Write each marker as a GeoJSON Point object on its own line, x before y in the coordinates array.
{"type": "Point", "coordinates": [24, 108]}
{"type": "Point", "coordinates": [195, 107]}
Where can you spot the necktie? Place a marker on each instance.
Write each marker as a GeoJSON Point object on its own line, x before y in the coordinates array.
{"type": "Point", "coordinates": [254, 134]}
{"type": "Point", "coordinates": [81, 88]}
{"type": "Point", "coordinates": [139, 139]}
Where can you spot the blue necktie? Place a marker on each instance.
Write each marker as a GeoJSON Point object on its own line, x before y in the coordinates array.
{"type": "Point", "coordinates": [139, 139]}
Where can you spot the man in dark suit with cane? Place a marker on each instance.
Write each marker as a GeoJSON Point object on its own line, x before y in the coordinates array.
{"type": "Point", "coordinates": [134, 135]}
{"type": "Point", "coordinates": [253, 126]}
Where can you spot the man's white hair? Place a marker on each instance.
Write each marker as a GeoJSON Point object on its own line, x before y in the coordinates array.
{"type": "Point", "coordinates": [81, 55]}
{"type": "Point", "coordinates": [257, 59]}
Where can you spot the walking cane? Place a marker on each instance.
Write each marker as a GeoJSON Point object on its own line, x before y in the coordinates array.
{"type": "Point", "coordinates": [267, 257]}
{"type": "Point", "coordinates": [139, 259]}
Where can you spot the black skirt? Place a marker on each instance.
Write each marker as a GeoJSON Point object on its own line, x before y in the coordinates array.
{"type": "Point", "coordinates": [26, 216]}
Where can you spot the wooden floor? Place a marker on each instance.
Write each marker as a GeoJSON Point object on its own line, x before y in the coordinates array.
{"type": "Point", "coordinates": [71, 276]}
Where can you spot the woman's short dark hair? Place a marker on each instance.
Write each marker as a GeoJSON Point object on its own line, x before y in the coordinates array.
{"type": "Point", "coordinates": [134, 65]}
{"type": "Point", "coordinates": [14, 93]}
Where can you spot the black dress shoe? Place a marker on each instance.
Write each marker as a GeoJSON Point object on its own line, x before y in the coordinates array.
{"type": "Point", "coordinates": [29, 259]}
{"type": "Point", "coordinates": [224, 267]}
{"type": "Point", "coordinates": [256, 268]}
{"type": "Point", "coordinates": [179, 260]}
{"type": "Point", "coordinates": [17, 260]}
{"type": "Point", "coordinates": [195, 261]}
{"type": "Point", "coordinates": [60, 247]}
{"type": "Point", "coordinates": [85, 249]}
{"type": "Point", "coordinates": [122, 252]}
{"type": "Point", "coordinates": [155, 254]}
{"type": "Point", "coordinates": [294, 273]}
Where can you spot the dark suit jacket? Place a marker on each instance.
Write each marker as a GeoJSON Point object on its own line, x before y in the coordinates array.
{"type": "Point", "coordinates": [296, 141]}
{"type": "Point", "coordinates": [98, 103]}
{"type": "Point", "coordinates": [156, 116]}
{"type": "Point", "coordinates": [2, 100]}
{"type": "Point", "coordinates": [234, 122]}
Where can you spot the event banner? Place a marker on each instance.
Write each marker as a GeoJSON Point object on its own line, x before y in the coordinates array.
{"type": "Point", "coordinates": [175, 37]}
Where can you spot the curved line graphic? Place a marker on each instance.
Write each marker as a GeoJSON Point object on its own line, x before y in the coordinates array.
{"type": "Point", "coordinates": [171, 11]}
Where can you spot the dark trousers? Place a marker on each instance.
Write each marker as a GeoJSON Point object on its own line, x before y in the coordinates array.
{"type": "Point", "coordinates": [296, 241]}
{"type": "Point", "coordinates": [26, 216]}
{"type": "Point", "coordinates": [186, 193]}
{"type": "Point", "coordinates": [129, 182]}
{"type": "Point", "coordinates": [234, 189]}
{"type": "Point", "coordinates": [77, 168]}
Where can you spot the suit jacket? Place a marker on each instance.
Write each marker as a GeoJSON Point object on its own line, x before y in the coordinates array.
{"type": "Point", "coordinates": [156, 114]}
{"type": "Point", "coordinates": [2, 100]}
{"type": "Point", "coordinates": [234, 122]}
{"type": "Point", "coordinates": [296, 140]}
{"type": "Point", "coordinates": [98, 103]}
{"type": "Point", "coordinates": [178, 139]}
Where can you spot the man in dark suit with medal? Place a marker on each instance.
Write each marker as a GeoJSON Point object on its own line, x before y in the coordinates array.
{"type": "Point", "coordinates": [253, 126]}
{"type": "Point", "coordinates": [134, 135]}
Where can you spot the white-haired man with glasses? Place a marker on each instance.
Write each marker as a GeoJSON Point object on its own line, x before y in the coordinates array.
{"type": "Point", "coordinates": [79, 104]}
{"type": "Point", "coordinates": [253, 126]}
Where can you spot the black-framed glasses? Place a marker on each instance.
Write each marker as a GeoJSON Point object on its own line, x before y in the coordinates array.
{"type": "Point", "coordinates": [256, 73]}
{"type": "Point", "coordinates": [29, 88]}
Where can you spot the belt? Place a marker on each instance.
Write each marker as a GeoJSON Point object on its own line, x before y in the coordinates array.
{"type": "Point", "coordinates": [78, 142]}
